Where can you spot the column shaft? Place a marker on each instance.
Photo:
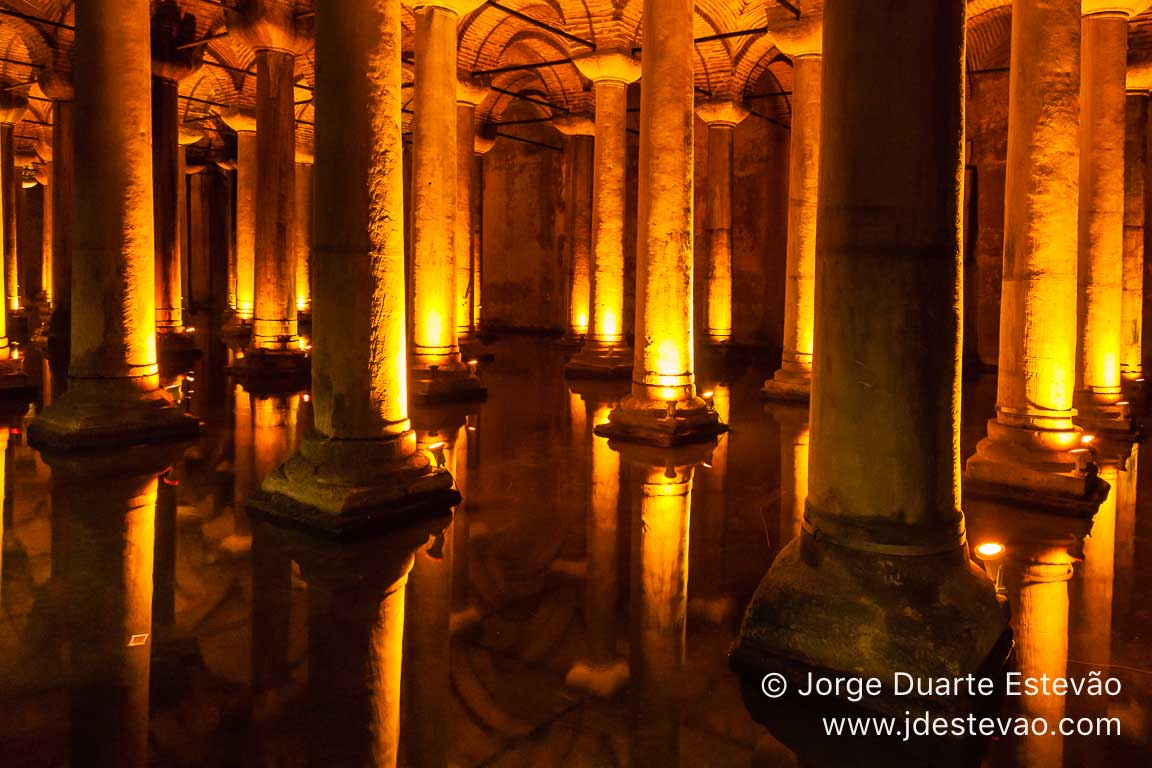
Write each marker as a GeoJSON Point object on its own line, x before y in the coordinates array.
{"type": "Point", "coordinates": [63, 175]}
{"type": "Point", "coordinates": [246, 178]}
{"type": "Point", "coordinates": [167, 175]}
{"type": "Point", "coordinates": [49, 247]}
{"type": "Point", "coordinates": [581, 151]}
{"type": "Point", "coordinates": [719, 233]}
{"type": "Point", "coordinates": [1135, 173]}
{"type": "Point", "coordinates": [274, 323]}
{"type": "Point", "coordinates": [476, 173]}
{"type": "Point", "coordinates": [303, 237]}
{"type": "Point", "coordinates": [1101, 227]}
{"type": "Point", "coordinates": [10, 184]}
{"type": "Point", "coordinates": [608, 200]}
{"type": "Point", "coordinates": [462, 239]}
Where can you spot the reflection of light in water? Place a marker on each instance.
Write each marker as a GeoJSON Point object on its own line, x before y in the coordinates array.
{"type": "Point", "coordinates": [1042, 649]}
{"type": "Point", "coordinates": [793, 472]}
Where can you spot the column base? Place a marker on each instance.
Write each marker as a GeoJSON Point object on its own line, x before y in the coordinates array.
{"type": "Point", "coordinates": [1006, 467]}
{"type": "Point", "coordinates": [595, 362]}
{"type": "Point", "coordinates": [572, 341]}
{"type": "Point", "coordinates": [345, 488]}
{"type": "Point", "coordinates": [788, 385]}
{"type": "Point", "coordinates": [638, 422]}
{"type": "Point", "coordinates": [427, 387]}
{"type": "Point", "coordinates": [14, 383]}
{"type": "Point", "coordinates": [603, 680]}
{"type": "Point", "coordinates": [272, 362]}
{"type": "Point", "coordinates": [832, 611]}
{"type": "Point", "coordinates": [1111, 420]}
{"type": "Point", "coordinates": [474, 350]}
{"type": "Point", "coordinates": [98, 414]}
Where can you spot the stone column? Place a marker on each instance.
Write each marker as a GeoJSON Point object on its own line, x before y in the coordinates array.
{"type": "Point", "coordinates": [606, 353]}
{"type": "Point", "coordinates": [437, 370]}
{"type": "Point", "coordinates": [304, 220]}
{"type": "Point", "coordinates": [883, 531]}
{"type": "Point", "coordinates": [360, 465]}
{"type": "Point", "coordinates": [244, 123]}
{"type": "Point", "coordinates": [1132, 303]}
{"type": "Point", "coordinates": [663, 407]}
{"type": "Point", "coordinates": [56, 82]}
{"type": "Point", "coordinates": [1104, 67]}
{"type": "Point", "coordinates": [1029, 445]}
{"type": "Point", "coordinates": [801, 40]}
{"type": "Point", "coordinates": [12, 108]}
{"type": "Point", "coordinates": [580, 149]}
{"type": "Point", "coordinates": [113, 396]}
{"type": "Point", "coordinates": [468, 96]}
{"type": "Point", "coordinates": [481, 147]}
{"type": "Point", "coordinates": [46, 178]}
{"type": "Point", "coordinates": [721, 117]}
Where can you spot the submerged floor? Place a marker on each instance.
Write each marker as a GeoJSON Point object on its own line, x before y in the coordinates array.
{"type": "Point", "coordinates": [520, 642]}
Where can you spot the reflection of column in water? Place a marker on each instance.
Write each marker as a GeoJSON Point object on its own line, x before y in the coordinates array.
{"type": "Point", "coordinates": [793, 471]}
{"type": "Point", "coordinates": [271, 611]}
{"type": "Point", "coordinates": [164, 572]}
{"type": "Point", "coordinates": [600, 672]}
{"type": "Point", "coordinates": [108, 515]}
{"type": "Point", "coordinates": [659, 612]}
{"type": "Point", "coordinates": [710, 599]}
{"type": "Point", "coordinates": [1124, 583]}
{"type": "Point", "coordinates": [1092, 629]}
{"type": "Point", "coordinates": [242, 455]}
{"type": "Point", "coordinates": [1042, 649]}
{"type": "Point", "coordinates": [5, 508]}
{"type": "Point", "coordinates": [274, 432]}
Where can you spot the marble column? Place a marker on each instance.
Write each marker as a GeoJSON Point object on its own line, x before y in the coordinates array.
{"type": "Point", "coordinates": [12, 108]}
{"type": "Point", "coordinates": [56, 83]}
{"type": "Point", "coordinates": [1029, 448]}
{"type": "Point", "coordinates": [580, 150]}
{"type": "Point", "coordinates": [360, 466]}
{"type": "Point", "coordinates": [801, 40]}
{"type": "Point", "coordinates": [883, 531]}
{"type": "Point", "coordinates": [721, 117]}
{"type": "Point", "coordinates": [468, 96]}
{"type": "Point", "coordinates": [244, 123]}
{"type": "Point", "coordinates": [113, 395]}
{"type": "Point", "coordinates": [1104, 64]}
{"type": "Point", "coordinates": [606, 353]}
{"type": "Point", "coordinates": [47, 181]}
{"type": "Point", "coordinates": [438, 373]}
{"type": "Point", "coordinates": [1132, 303]}
{"type": "Point", "coordinates": [481, 146]}
{"type": "Point", "coordinates": [304, 220]}
{"type": "Point", "coordinates": [663, 407]}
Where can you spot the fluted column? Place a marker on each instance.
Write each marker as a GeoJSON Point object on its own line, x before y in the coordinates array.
{"type": "Point", "coordinates": [1104, 64]}
{"type": "Point", "coordinates": [113, 396]}
{"type": "Point", "coordinates": [437, 370]}
{"type": "Point", "coordinates": [1135, 176]}
{"type": "Point", "coordinates": [663, 407]}
{"type": "Point", "coordinates": [1030, 441]}
{"type": "Point", "coordinates": [12, 108]}
{"type": "Point", "coordinates": [468, 96]}
{"type": "Point", "coordinates": [244, 123]}
{"type": "Point", "coordinates": [579, 149]}
{"type": "Point", "coordinates": [802, 41]}
{"type": "Point", "coordinates": [361, 463]}
{"type": "Point", "coordinates": [606, 352]}
{"type": "Point", "coordinates": [304, 220]}
{"type": "Point", "coordinates": [721, 117]}
{"type": "Point", "coordinates": [883, 531]}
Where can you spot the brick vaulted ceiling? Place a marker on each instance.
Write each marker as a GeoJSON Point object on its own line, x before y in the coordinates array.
{"type": "Point", "coordinates": [736, 55]}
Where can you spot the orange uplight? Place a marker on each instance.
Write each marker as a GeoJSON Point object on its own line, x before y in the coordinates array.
{"type": "Point", "coordinates": [1085, 439]}
{"type": "Point", "coordinates": [990, 550]}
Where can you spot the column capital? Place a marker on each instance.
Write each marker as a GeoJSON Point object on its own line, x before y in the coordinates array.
{"type": "Point", "coordinates": [610, 66]}
{"type": "Point", "coordinates": [459, 7]}
{"type": "Point", "coordinates": [575, 125]}
{"type": "Point", "coordinates": [172, 29]}
{"type": "Point", "coordinates": [56, 78]}
{"type": "Point", "coordinates": [269, 25]}
{"type": "Point", "coordinates": [239, 119]}
{"type": "Point", "coordinates": [797, 37]}
{"type": "Point", "coordinates": [41, 172]}
{"type": "Point", "coordinates": [483, 142]}
{"type": "Point", "coordinates": [44, 149]}
{"type": "Point", "coordinates": [1128, 8]}
{"type": "Point", "coordinates": [187, 136]}
{"type": "Point", "coordinates": [12, 107]}
{"type": "Point", "coordinates": [721, 112]}
{"type": "Point", "coordinates": [1139, 78]}
{"type": "Point", "coordinates": [470, 91]}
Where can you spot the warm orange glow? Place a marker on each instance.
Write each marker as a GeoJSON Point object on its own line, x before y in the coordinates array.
{"type": "Point", "coordinates": [990, 549]}
{"type": "Point", "coordinates": [1085, 439]}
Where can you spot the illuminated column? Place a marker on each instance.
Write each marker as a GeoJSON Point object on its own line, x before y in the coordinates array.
{"type": "Point", "coordinates": [56, 83]}
{"type": "Point", "coordinates": [663, 407]}
{"type": "Point", "coordinates": [581, 132]}
{"type": "Point", "coordinates": [113, 396]}
{"type": "Point", "coordinates": [1029, 443]}
{"type": "Point", "coordinates": [793, 423]}
{"type": "Point", "coordinates": [361, 463]}
{"type": "Point", "coordinates": [438, 373]}
{"type": "Point", "coordinates": [606, 353]}
{"type": "Point", "coordinates": [722, 117]}
{"type": "Point", "coordinates": [12, 108]}
{"type": "Point", "coordinates": [801, 41]}
{"type": "Point", "coordinates": [1135, 175]}
{"type": "Point", "coordinates": [482, 145]}
{"type": "Point", "coordinates": [244, 123]}
{"type": "Point", "coordinates": [47, 180]}
{"type": "Point", "coordinates": [883, 531]}
{"type": "Point", "coordinates": [468, 96]}
{"type": "Point", "coordinates": [304, 218]}
{"type": "Point", "coordinates": [1104, 66]}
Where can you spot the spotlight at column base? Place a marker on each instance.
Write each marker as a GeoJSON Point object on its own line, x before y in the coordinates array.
{"type": "Point", "coordinates": [1112, 417]}
{"type": "Point", "coordinates": [99, 414]}
{"type": "Point", "coordinates": [788, 385]}
{"type": "Point", "coordinates": [430, 386]}
{"type": "Point", "coordinates": [345, 488]}
{"type": "Point", "coordinates": [838, 612]}
{"type": "Point", "coordinates": [596, 361]}
{"type": "Point", "coordinates": [636, 422]}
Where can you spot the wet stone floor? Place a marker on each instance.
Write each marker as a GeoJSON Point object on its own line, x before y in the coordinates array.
{"type": "Point", "coordinates": [149, 621]}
